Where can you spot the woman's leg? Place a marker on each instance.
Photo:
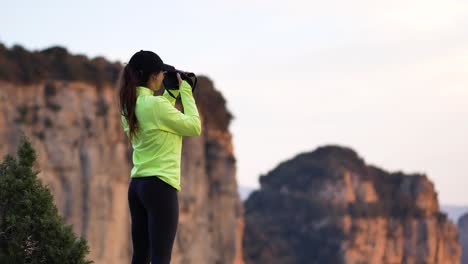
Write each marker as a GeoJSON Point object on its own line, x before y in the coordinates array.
{"type": "Point", "coordinates": [139, 217]}
{"type": "Point", "coordinates": [162, 203]}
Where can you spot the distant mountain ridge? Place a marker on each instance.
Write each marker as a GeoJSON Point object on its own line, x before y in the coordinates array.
{"type": "Point", "coordinates": [463, 233]}
{"type": "Point", "coordinates": [245, 191]}
{"type": "Point", "coordinates": [454, 212]}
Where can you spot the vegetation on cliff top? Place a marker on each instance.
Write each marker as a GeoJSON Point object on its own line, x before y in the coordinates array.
{"type": "Point", "coordinates": [18, 65]}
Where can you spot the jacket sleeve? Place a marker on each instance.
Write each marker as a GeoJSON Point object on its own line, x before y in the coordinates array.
{"type": "Point", "coordinates": [169, 97]}
{"type": "Point", "coordinates": [170, 119]}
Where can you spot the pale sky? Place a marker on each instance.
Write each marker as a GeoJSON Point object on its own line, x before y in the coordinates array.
{"type": "Point", "coordinates": [386, 78]}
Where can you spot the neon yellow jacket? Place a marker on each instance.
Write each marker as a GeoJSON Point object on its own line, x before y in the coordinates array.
{"type": "Point", "coordinates": [157, 145]}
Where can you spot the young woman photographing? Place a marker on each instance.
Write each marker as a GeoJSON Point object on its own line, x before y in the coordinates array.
{"type": "Point", "coordinates": [155, 129]}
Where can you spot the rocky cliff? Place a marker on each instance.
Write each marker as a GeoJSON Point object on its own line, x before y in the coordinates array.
{"type": "Point", "coordinates": [328, 206]}
{"type": "Point", "coordinates": [69, 110]}
{"type": "Point", "coordinates": [463, 233]}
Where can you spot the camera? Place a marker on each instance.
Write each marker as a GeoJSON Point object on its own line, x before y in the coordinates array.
{"type": "Point", "coordinates": [170, 79]}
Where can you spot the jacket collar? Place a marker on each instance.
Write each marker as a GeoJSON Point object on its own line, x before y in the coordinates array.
{"type": "Point", "coordinates": [142, 90]}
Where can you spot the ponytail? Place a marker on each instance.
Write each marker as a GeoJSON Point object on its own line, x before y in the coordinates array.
{"type": "Point", "coordinates": [136, 73]}
{"type": "Point", "coordinates": [128, 97]}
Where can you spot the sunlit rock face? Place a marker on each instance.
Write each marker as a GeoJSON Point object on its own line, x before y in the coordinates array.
{"type": "Point", "coordinates": [83, 156]}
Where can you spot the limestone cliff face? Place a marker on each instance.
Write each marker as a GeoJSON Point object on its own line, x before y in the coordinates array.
{"type": "Point", "coordinates": [83, 157]}
{"type": "Point", "coordinates": [463, 233]}
{"type": "Point", "coordinates": [328, 206]}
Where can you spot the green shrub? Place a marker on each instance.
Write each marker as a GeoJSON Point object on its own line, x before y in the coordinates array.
{"type": "Point", "coordinates": [31, 229]}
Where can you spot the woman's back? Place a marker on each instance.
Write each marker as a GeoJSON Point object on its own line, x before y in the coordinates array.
{"type": "Point", "coordinates": [157, 146]}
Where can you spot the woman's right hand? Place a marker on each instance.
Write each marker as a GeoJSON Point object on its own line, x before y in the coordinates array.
{"type": "Point", "coordinates": [179, 78]}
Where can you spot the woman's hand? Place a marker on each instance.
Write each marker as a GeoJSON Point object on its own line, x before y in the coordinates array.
{"type": "Point", "coordinates": [179, 78]}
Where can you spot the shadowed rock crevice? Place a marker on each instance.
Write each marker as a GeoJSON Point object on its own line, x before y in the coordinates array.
{"type": "Point", "coordinates": [85, 169]}
{"type": "Point", "coordinates": [66, 191]}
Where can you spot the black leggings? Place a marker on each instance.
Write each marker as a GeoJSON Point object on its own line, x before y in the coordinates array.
{"type": "Point", "coordinates": [154, 209]}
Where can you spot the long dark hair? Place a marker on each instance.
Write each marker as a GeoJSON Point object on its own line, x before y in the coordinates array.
{"type": "Point", "coordinates": [136, 73]}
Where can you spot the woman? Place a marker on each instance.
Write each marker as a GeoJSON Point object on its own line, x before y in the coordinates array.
{"type": "Point", "coordinates": [155, 129]}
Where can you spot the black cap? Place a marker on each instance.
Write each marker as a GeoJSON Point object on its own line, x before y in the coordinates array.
{"type": "Point", "coordinates": [148, 62]}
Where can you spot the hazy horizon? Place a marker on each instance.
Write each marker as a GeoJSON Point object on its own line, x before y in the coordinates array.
{"type": "Point", "coordinates": [387, 79]}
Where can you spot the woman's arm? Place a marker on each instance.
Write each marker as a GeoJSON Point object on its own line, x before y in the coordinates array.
{"type": "Point", "coordinates": [169, 97]}
{"type": "Point", "coordinates": [170, 119]}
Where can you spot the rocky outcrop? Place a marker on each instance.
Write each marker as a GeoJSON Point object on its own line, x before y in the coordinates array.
{"type": "Point", "coordinates": [463, 233]}
{"type": "Point", "coordinates": [328, 206]}
{"type": "Point", "coordinates": [83, 157]}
